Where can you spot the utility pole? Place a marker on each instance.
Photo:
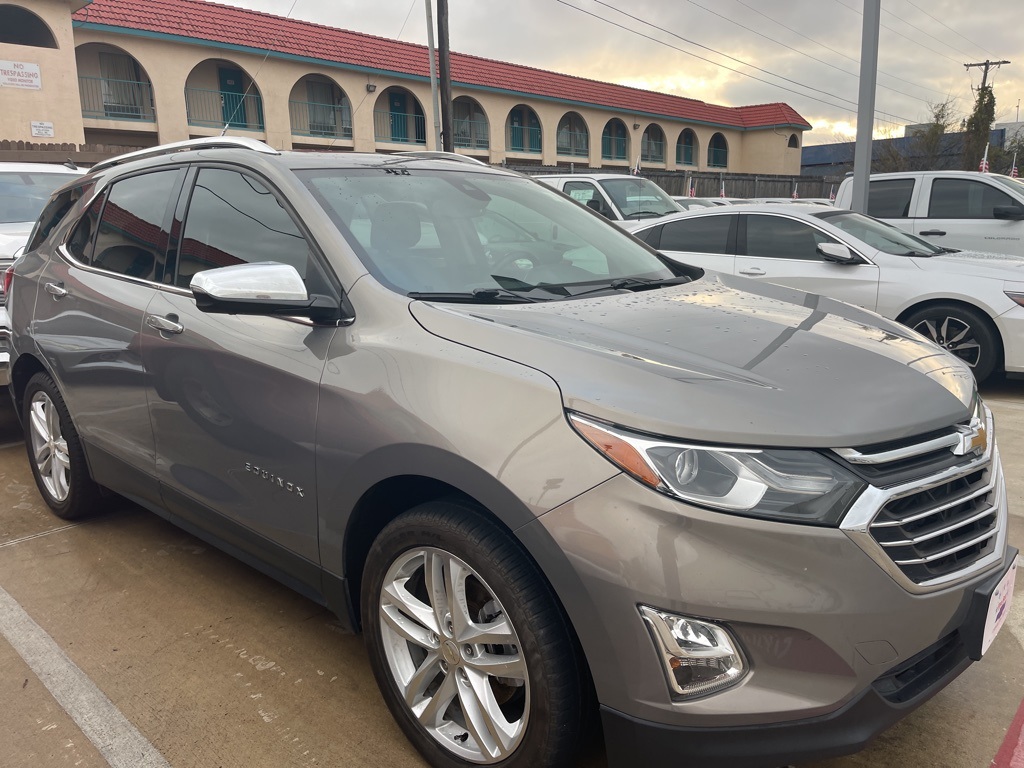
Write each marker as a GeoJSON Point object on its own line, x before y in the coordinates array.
{"type": "Point", "coordinates": [866, 104]}
{"type": "Point", "coordinates": [444, 54]}
{"type": "Point", "coordinates": [987, 66]}
{"type": "Point", "coordinates": [433, 77]}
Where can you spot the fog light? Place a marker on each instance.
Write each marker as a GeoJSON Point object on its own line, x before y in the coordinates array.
{"type": "Point", "coordinates": [699, 657]}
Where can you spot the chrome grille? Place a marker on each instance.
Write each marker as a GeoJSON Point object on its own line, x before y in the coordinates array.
{"type": "Point", "coordinates": [938, 529]}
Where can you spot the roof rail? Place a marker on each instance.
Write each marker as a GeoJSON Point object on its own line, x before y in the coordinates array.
{"type": "Point", "coordinates": [209, 142]}
{"type": "Point", "coordinates": [430, 154]}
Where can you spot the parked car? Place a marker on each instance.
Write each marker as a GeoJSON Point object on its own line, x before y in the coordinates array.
{"type": "Point", "coordinates": [952, 209]}
{"type": "Point", "coordinates": [740, 523]}
{"type": "Point", "coordinates": [24, 190]}
{"type": "Point", "coordinates": [691, 203]}
{"type": "Point", "coordinates": [616, 196]}
{"type": "Point", "coordinates": [797, 200]}
{"type": "Point", "coordinates": [970, 303]}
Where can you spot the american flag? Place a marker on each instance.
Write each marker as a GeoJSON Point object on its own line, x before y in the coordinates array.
{"type": "Point", "coordinates": [795, 195]}
{"type": "Point", "coordinates": [721, 190]}
{"type": "Point", "coordinates": [832, 192]}
{"type": "Point", "coordinates": [693, 189]}
{"type": "Point", "coordinates": [1013, 168]}
{"type": "Point", "coordinates": [983, 165]}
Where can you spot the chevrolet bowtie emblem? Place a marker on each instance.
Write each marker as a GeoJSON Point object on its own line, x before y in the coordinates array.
{"type": "Point", "coordinates": [973, 439]}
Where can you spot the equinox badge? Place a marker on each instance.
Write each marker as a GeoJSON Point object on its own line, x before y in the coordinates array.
{"type": "Point", "coordinates": [280, 482]}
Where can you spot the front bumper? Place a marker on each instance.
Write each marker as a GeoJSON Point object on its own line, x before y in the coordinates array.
{"type": "Point", "coordinates": [631, 741]}
{"type": "Point", "coordinates": [821, 623]}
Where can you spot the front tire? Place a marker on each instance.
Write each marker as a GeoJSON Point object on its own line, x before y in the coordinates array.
{"type": "Point", "coordinates": [471, 651]}
{"type": "Point", "coordinates": [55, 452]}
{"type": "Point", "coordinates": [962, 331]}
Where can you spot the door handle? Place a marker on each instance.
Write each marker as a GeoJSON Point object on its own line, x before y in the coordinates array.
{"type": "Point", "coordinates": [936, 232]}
{"type": "Point", "coordinates": [57, 290]}
{"type": "Point", "coordinates": [164, 324]}
{"type": "Point", "coordinates": [752, 271]}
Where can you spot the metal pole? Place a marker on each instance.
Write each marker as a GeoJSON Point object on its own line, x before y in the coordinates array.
{"type": "Point", "coordinates": [444, 53]}
{"type": "Point", "coordinates": [866, 104]}
{"type": "Point", "coordinates": [433, 76]}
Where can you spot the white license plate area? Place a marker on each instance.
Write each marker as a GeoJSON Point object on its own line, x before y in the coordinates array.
{"type": "Point", "coordinates": [999, 607]}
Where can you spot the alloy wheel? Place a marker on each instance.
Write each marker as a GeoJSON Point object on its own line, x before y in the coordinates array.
{"type": "Point", "coordinates": [49, 446]}
{"type": "Point", "coordinates": [953, 334]}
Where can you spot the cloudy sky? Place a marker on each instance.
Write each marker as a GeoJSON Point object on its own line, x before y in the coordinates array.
{"type": "Point", "coordinates": [803, 52]}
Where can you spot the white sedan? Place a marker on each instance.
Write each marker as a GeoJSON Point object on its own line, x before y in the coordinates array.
{"type": "Point", "coordinates": [968, 302]}
{"type": "Point", "coordinates": [24, 190]}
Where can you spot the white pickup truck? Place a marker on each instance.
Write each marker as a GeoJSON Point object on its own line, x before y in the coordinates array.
{"type": "Point", "coordinates": [952, 209]}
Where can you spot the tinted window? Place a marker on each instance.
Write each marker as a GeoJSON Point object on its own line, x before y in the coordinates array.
{"type": "Point", "coordinates": [80, 242]}
{"type": "Point", "coordinates": [964, 199]}
{"type": "Point", "coordinates": [781, 238]}
{"type": "Point", "coordinates": [132, 238]}
{"type": "Point", "coordinates": [234, 219]}
{"type": "Point", "coordinates": [704, 234]}
{"type": "Point", "coordinates": [890, 199]}
{"type": "Point", "coordinates": [54, 212]}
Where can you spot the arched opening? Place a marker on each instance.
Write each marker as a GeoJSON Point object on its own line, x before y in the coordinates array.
{"type": "Point", "coordinates": [398, 118]}
{"type": "Point", "coordinates": [686, 148]}
{"type": "Point", "coordinates": [469, 124]}
{"type": "Point", "coordinates": [112, 84]}
{"type": "Point", "coordinates": [794, 141]}
{"type": "Point", "coordinates": [573, 137]}
{"type": "Point", "coordinates": [19, 26]}
{"type": "Point", "coordinates": [523, 130]}
{"type": "Point", "coordinates": [615, 141]}
{"type": "Point", "coordinates": [219, 93]}
{"type": "Point", "coordinates": [318, 107]}
{"type": "Point", "coordinates": [652, 144]}
{"type": "Point", "coordinates": [718, 152]}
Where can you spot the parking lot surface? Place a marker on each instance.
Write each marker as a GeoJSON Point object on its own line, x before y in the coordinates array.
{"type": "Point", "coordinates": [125, 641]}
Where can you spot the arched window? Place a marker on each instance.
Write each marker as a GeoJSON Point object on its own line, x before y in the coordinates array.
{"type": "Point", "coordinates": [573, 138]}
{"type": "Point", "coordinates": [794, 142]}
{"type": "Point", "coordinates": [398, 117]}
{"type": "Point", "coordinates": [652, 145]}
{"type": "Point", "coordinates": [318, 107]}
{"type": "Point", "coordinates": [686, 148]}
{"type": "Point", "coordinates": [523, 130]}
{"type": "Point", "coordinates": [235, 103]}
{"type": "Point", "coordinates": [19, 26]}
{"type": "Point", "coordinates": [718, 152]}
{"type": "Point", "coordinates": [112, 84]}
{"type": "Point", "coordinates": [615, 140]}
{"type": "Point", "coordinates": [469, 124]}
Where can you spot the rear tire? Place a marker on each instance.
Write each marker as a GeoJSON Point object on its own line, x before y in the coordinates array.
{"type": "Point", "coordinates": [55, 452]}
{"type": "Point", "coordinates": [962, 331]}
{"type": "Point", "coordinates": [472, 653]}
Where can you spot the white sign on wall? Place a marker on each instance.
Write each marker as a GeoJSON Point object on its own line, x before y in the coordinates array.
{"type": "Point", "coordinates": [42, 129]}
{"type": "Point", "coordinates": [20, 74]}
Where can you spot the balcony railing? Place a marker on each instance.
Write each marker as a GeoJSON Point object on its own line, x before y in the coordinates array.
{"type": "Point", "coordinates": [108, 99]}
{"type": "Point", "coordinates": [471, 134]}
{"type": "Point", "coordinates": [399, 127]}
{"type": "Point", "coordinates": [718, 158]}
{"type": "Point", "coordinates": [523, 139]}
{"type": "Point", "coordinates": [573, 144]}
{"type": "Point", "coordinates": [684, 154]}
{"type": "Point", "coordinates": [327, 120]}
{"type": "Point", "coordinates": [215, 109]}
{"type": "Point", "coordinates": [613, 147]}
{"type": "Point", "coordinates": [652, 151]}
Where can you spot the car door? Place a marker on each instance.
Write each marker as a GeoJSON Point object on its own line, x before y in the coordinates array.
{"type": "Point", "coordinates": [783, 249]}
{"type": "Point", "coordinates": [961, 215]}
{"type": "Point", "coordinates": [89, 319]}
{"type": "Point", "coordinates": [704, 241]}
{"type": "Point", "coordinates": [234, 398]}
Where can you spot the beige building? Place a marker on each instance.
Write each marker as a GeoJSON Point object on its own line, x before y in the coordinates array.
{"type": "Point", "coordinates": [142, 72]}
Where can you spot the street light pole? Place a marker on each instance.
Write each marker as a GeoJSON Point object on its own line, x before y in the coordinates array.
{"type": "Point", "coordinates": [866, 104]}
{"type": "Point", "coordinates": [433, 76]}
{"type": "Point", "coordinates": [444, 52]}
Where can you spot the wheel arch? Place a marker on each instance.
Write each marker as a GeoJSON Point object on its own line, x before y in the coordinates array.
{"type": "Point", "coordinates": [984, 313]}
{"type": "Point", "coordinates": [25, 367]}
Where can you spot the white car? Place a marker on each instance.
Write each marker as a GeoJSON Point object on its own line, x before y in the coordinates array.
{"type": "Point", "coordinates": [616, 196]}
{"type": "Point", "coordinates": [24, 190]}
{"type": "Point", "coordinates": [968, 302]}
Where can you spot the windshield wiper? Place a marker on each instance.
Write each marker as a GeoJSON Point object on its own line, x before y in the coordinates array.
{"type": "Point", "coordinates": [644, 214]}
{"type": "Point", "coordinates": [515, 285]}
{"type": "Point", "coordinates": [636, 284]}
{"type": "Point", "coordinates": [917, 253]}
{"type": "Point", "coordinates": [476, 296]}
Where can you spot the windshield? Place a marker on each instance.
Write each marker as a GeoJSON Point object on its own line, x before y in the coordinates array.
{"type": "Point", "coordinates": [1015, 184]}
{"type": "Point", "coordinates": [23, 195]}
{"type": "Point", "coordinates": [878, 234]}
{"type": "Point", "coordinates": [638, 198]}
{"type": "Point", "coordinates": [442, 231]}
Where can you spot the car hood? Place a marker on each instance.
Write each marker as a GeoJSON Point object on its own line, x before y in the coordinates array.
{"type": "Point", "coordinates": [726, 360]}
{"type": "Point", "coordinates": [13, 236]}
{"type": "Point", "coordinates": [1001, 266]}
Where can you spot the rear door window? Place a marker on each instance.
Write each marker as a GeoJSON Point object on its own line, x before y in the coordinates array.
{"type": "Point", "coordinates": [133, 231]}
{"type": "Point", "coordinates": [964, 199]}
{"type": "Point", "coordinates": [701, 234]}
{"type": "Point", "coordinates": [890, 199]}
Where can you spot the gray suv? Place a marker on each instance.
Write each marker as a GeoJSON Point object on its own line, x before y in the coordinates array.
{"type": "Point", "coordinates": [557, 480]}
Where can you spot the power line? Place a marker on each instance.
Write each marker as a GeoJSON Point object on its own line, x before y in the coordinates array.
{"type": "Point", "coordinates": [900, 34]}
{"type": "Point", "coordinates": [940, 21]}
{"type": "Point", "coordinates": [724, 55]}
{"type": "Point", "coordinates": [839, 53]}
{"type": "Point", "coordinates": [796, 50]}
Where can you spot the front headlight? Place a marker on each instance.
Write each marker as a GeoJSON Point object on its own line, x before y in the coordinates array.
{"type": "Point", "coordinates": [796, 486]}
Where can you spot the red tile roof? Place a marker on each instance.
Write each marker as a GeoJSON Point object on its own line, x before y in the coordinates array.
{"type": "Point", "coordinates": [202, 20]}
